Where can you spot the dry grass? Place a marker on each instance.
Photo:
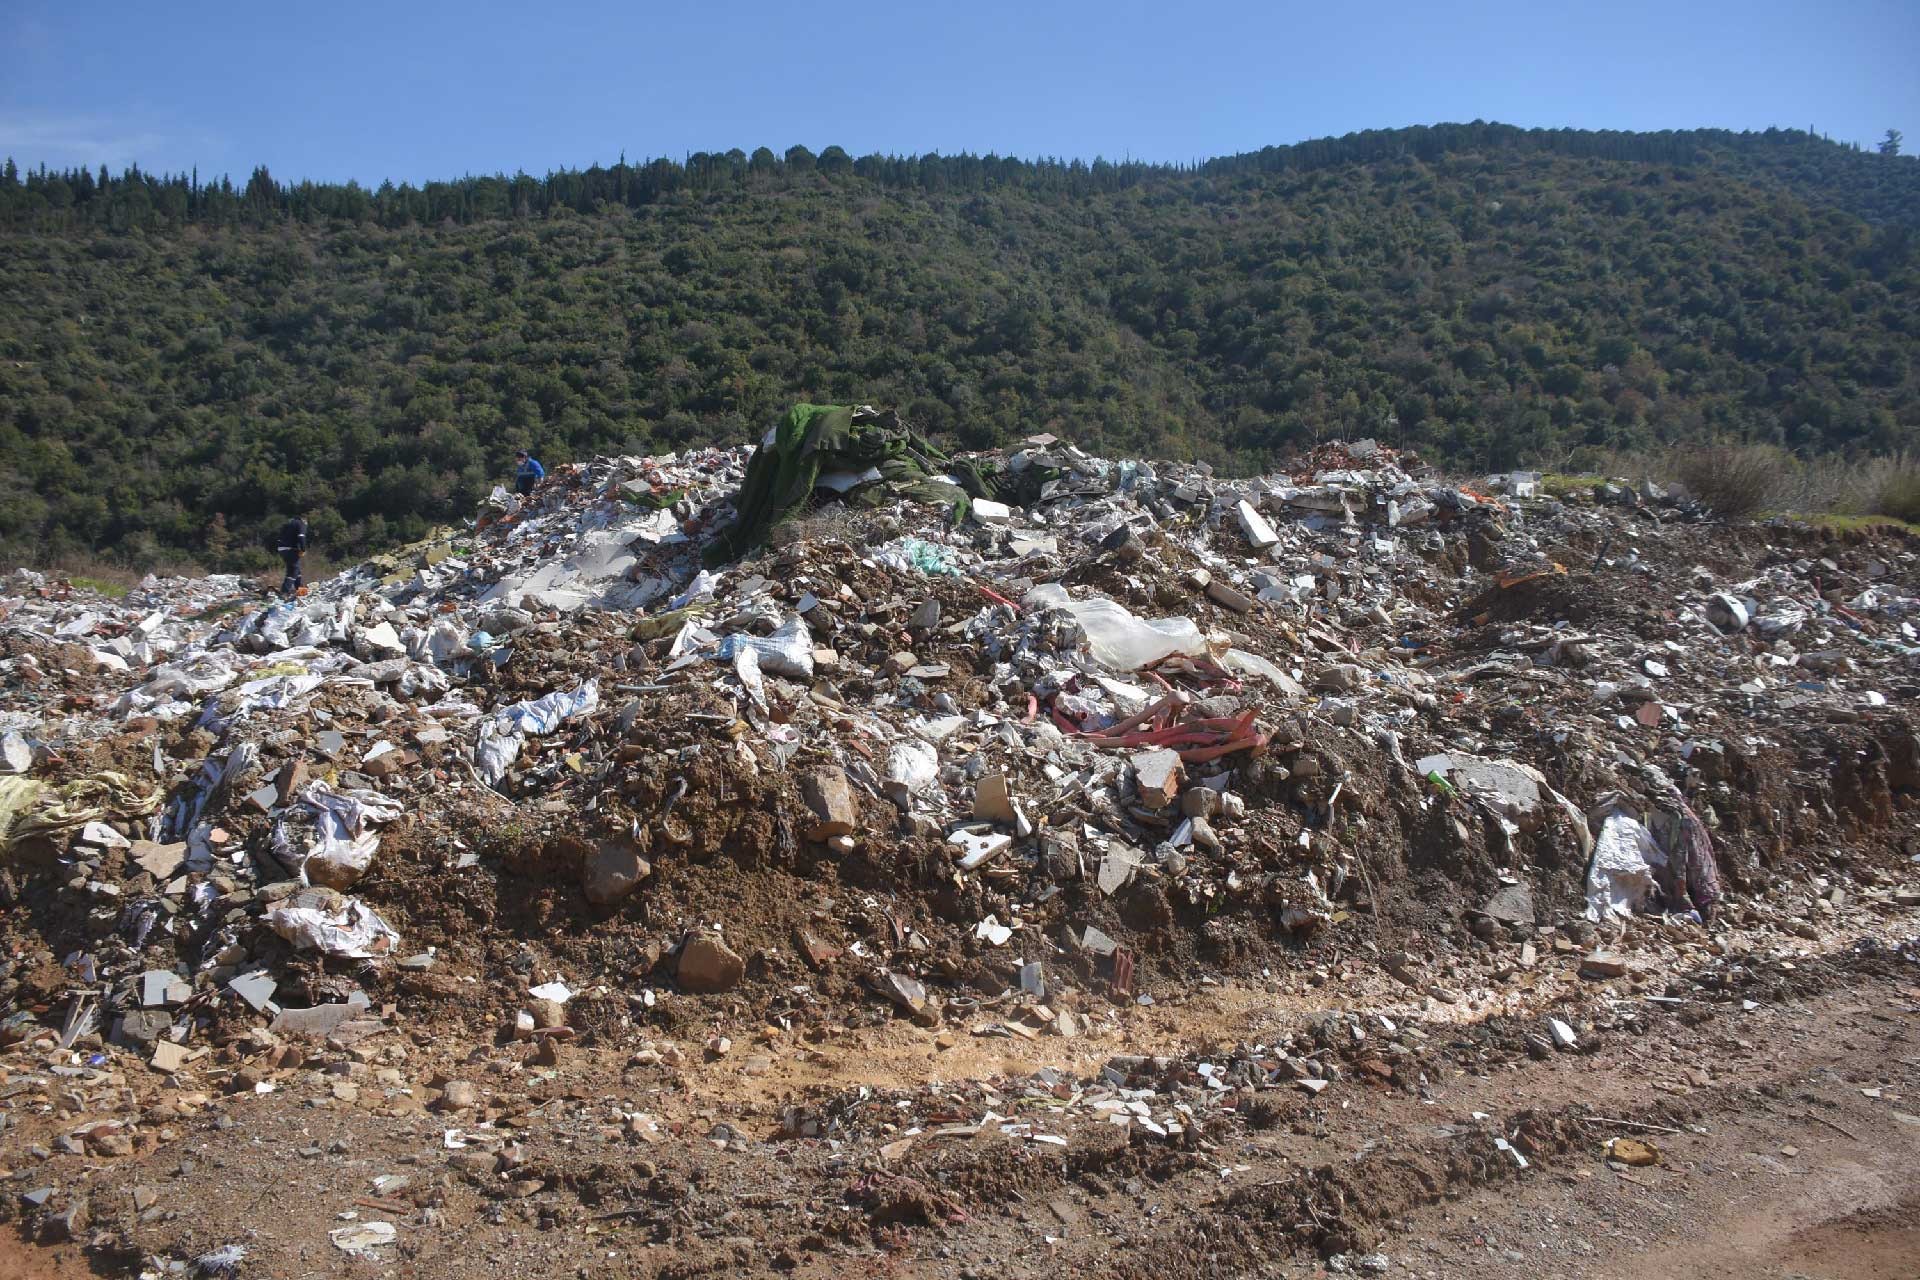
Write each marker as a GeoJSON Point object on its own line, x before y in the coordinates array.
{"type": "Point", "coordinates": [1742, 481]}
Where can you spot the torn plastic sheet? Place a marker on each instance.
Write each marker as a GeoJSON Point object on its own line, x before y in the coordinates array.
{"type": "Point", "coordinates": [1620, 877]}
{"type": "Point", "coordinates": [352, 930]}
{"type": "Point", "coordinates": [911, 768]}
{"type": "Point", "coordinates": [505, 732]}
{"type": "Point", "coordinates": [1242, 663]}
{"type": "Point", "coordinates": [1115, 637]}
{"type": "Point", "coordinates": [344, 844]}
{"type": "Point", "coordinates": [208, 790]}
{"type": "Point", "coordinates": [746, 665]}
{"type": "Point", "coordinates": [917, 554]}
{"type": "Point", "coordinates": [787, 652]}
{"type": "Point", "coordinates": [543, 715]}
{"type": "Point", "coordinates": [701, 588]}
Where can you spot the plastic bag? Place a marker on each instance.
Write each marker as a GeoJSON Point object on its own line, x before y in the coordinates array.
{"type": "Point", "coordinates": [787, 652]}
{"type": "Point", "coordinates": [1117, 638]}
{"type": "Point", "coordinates": [1620, 877]}
{"type": "Point", "coordinates": [354, 930]}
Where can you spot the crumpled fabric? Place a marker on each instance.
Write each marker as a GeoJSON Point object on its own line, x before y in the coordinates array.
{"type": "Point", "coordinates": [29, 807]}
{"type": "Point", "coordinates": [1690, 878]}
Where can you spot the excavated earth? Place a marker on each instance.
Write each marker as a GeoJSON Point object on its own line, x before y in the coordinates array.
{"type": "Point", "coordinates": [799, 1123]}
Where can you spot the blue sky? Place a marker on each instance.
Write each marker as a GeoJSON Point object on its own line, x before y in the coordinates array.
{"type": "Point", "coordinates": [412, 91]}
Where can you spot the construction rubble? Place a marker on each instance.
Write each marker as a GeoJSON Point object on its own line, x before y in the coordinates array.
{"type": "Point", "coordinates": [718, 757]}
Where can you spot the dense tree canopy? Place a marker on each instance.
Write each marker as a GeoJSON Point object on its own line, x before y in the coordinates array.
{"type": "Point", "coordinates": [180, 363]}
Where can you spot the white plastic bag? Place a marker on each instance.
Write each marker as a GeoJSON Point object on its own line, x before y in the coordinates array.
{"type": "Point", "coordinates": [1620, 878]}
{"type": "Point", "coordinates": [1117, 638]}
{"type": "Point", "coordinates": [787, 652]}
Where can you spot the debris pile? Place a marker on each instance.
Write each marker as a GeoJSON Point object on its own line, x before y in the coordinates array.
{"type": "Point", "coordinates": [1005, 744]}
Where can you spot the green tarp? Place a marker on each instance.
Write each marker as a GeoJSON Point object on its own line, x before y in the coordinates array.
{"type": "Point", "coordinates": [816, 439]}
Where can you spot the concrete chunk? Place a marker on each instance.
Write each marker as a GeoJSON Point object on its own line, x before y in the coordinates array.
{"type": "Point", "coordinates": [1157, 776]}
{"type": "Point", "coordinates": [1227, 597]}
{"type": "Point", "coordinates": [1255, 525]}
{"type": "Point", "coordinates": [991, 800]}
{"type": "Point", "coordinates": [159, 860]}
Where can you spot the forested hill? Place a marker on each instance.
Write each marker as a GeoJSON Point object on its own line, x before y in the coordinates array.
{"type": "Point", "coordinates": [180, 362]}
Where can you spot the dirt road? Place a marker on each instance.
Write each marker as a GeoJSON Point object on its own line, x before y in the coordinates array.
{"type": "Point", "coordinates": [1787, 1136]}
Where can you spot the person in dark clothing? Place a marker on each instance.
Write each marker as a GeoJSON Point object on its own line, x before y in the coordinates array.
{"type": "Point", "coordinates": [527, 472]}
{"type": "Point", "coordinates": [293, 552]}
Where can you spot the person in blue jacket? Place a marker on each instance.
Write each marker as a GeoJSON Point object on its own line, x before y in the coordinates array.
{"type": "Point", "coordinates": [527, 472]}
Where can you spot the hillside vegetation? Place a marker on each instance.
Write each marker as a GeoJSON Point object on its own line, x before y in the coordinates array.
{"type": "Point", "coordinates": [180, 364]}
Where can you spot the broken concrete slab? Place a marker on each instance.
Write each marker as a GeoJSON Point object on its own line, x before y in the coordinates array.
{"type": "Point", "coordinates": [992, 802]}
{"type": "Point", "coordinates": [1157, 776]}
{"type": "Point", "coordinates": [1259, 532]}
{"type": "Point", "coordinates": [159, 860]}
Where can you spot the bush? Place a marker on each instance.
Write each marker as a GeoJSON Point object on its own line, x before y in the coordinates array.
{"type": "Point", "coordinates": [1899, 496]}
{"type": "Point", "coordinates": [1735, 481]}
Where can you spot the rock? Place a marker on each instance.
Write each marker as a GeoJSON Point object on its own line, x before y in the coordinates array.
{"type": "Point", "coordinates": [459, 1095]}
{"type": "Point", "coordinates": [291, 778]}
{"type": "Point", "coordinates": [318, 1021]}
{"type": "Point", "coordinates": [1228, 597]}
{"type": "Point", "coordinates": [991, 800]}
{"type": "Point", "coordinates": [255, 988]}
{"type": "Point", "coordinates": [925, 617]}
{"type": "Point", "coordinates": [381, 641]}
{"type": "Point", "coordinates": [830, 796]}
{"type": "Point", "coordinates": [169, 1057]}
{"type": "Point", "coordinates": [1603, 964]}
{"type": "Point", "coordinates": [159, 860]}
{"type": "Point", "coordinates": [902, 662]}
{"type": "Point", "coordinates": [389, 763]}
{"type": "Point", "coordinates": [1633, 1152]}
{"type": "Point", "coordinates": [67, 1224]}
{"type": "Point", "coordinates": [707, 966]}
{"type": "Point", "coordinates": [1563, 1036]}
{"type": "Point", "coordinates": [613, 870]}
{"type": "Point", "coordinates": [909, 995]}
{"type": "Point", "coordinates": [1512, 905]}
{"type": "Point", "coordinates": [1157, 776]}
{"type": "Point", "coordinates": [547, 1014]}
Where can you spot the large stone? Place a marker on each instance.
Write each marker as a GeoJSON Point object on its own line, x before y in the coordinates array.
{"type": "Point", "coordinates": [707, 966]}
{"type": "Point", "coordinates": [1512, 905]}
{"type": "Point", "coordinates": [612, 871]}
{"type": "Point", "coordinates": [139, 1027]}
{"type": "Point", "coordinates": [830, 797]}
{"type": "Point", "coordinates": [388, 763]}
{"type": "Point", "coordinates": [1227, 597]}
